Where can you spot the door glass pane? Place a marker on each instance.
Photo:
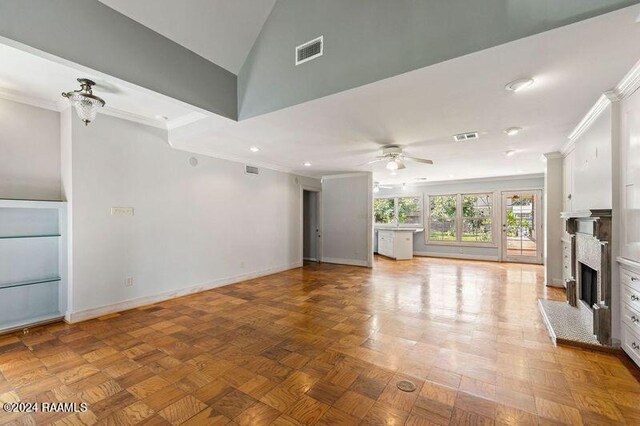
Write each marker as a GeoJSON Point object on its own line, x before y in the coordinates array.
{"type": "Point", "coordinates": [520, 226]}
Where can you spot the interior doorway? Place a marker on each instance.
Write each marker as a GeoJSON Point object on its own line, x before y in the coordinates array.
{"type": "Point", "coordinates": [311, 225]}
{"type": "Point", "coordinates": [521, 226]}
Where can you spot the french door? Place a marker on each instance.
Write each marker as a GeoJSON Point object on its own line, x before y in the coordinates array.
{"type": "Point", "coordinates": [522, 226]}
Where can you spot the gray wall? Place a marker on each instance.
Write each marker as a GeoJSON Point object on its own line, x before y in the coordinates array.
{"type": "Point", "coordinates": [347, 222]}
{"type": "Point", "coordinates": [310, 224]}
{"type": "Point", "coordinates": [29, 152]}
{"type": "Point", "coordinates": [454, 187]}
{"type": "Point", "coordinates": [369, 40]}
{"type": "Point", "coordinates": [91, 34]}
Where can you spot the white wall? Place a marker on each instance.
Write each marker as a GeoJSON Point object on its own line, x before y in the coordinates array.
{"type": "Point", "coordinates": [29, 152]}
{"type": "Point", "coordinates": [468, 251]}
{"type": "Point", "coordinates": [590, 164]}
{"type": "Point", "coordinates": [194, 227]}
{"type": "Point", "coordinates": [347, 219]}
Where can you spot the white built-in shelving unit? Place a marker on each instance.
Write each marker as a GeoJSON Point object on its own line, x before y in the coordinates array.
{"type": "Point", "coordinates": [33, 281]}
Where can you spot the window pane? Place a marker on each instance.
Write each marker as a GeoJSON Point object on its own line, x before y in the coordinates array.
{"type": "Point", "coordinates": [409, 210]}
{"type": "Point", "coordinates": [477, 223]}
{"type": "Point", "coordinates": [478, 229]}
{"type": "Point", "coordinates": [442, 225]}
{"type": "Point", "coordinates": [442, 230]}
{"type": "Point", "coordinates": [383, 210]}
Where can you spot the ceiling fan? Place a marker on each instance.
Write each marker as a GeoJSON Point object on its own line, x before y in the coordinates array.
{"type": "Point", "coordinates": [377, 186]}
{"type": "Point", "coordinates": [394, 157]}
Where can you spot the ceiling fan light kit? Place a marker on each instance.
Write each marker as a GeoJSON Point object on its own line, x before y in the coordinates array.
{"type": "Point", "coordinates": [84, 101]}
{"type": "Point", "coordinates": [395, 157]}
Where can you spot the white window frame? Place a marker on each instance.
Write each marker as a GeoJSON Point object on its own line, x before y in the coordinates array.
{"type": "Point", "coordinates": [395, 222]}
{"type": "Point", "coordinates": [495, 218]}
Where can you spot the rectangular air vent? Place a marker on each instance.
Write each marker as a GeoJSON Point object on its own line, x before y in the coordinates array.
{"type": "Point", "coordinates": [310, 50]}
{"type": "Point", "coordinates": [461, 137]}
{"type": "Point", "coordinates": [251, 170]}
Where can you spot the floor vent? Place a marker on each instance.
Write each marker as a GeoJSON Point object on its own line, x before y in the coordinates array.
{"type": "Point", "coordinates": [465, 136]}
{"type": "Point", "coordinates": [251, 170]}
{"type": "Point", "coordinates": [310, 50]}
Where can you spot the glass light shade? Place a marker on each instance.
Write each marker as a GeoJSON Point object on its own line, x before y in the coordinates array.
{"type": "Point", "coordinates": [392, 165]}
{"type": "Point", "coordinates": [86, 107]}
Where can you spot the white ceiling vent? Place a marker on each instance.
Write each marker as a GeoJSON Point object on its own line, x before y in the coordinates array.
{"type": "Point", "coordinates": [465, 136]}
{"type": "Point", "coordinates": [310, 50]}
{"type": "Point", "coordinates": [251, 170]}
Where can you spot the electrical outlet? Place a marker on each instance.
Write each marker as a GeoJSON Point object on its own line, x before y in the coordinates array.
{"type": "Point", "coordinates": [128, 282]}
{"type": "Point", "coordinates": [121, 211]}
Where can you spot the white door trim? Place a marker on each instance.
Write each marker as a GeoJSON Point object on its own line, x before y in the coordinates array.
{"type": "Point", "coordinates": [537, 193]}
{"type": "Point", "coordinates": [319, 220]}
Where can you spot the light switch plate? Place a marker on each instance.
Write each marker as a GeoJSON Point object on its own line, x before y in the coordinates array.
{"type": "Point", "coordinates": [121, 211]}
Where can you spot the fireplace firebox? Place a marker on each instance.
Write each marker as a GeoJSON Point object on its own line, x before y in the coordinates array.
{"type": "Point", "coordinates": [588, 285]}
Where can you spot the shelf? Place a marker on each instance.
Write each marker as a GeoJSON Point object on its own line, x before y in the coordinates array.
{"type": "Point", "coordinates": [30, 282]}
{"type": "Point", "coordinates": [31, 322]}
{"type": "Point", "coordinates": [17, 237]}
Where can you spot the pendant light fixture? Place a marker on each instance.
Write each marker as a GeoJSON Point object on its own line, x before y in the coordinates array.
{"type": "Point", "coordinates": [84, 101]}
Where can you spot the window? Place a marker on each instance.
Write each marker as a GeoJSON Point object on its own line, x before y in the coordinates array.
{"type": "Point", "coordinates": [384, 210]}
{"type": "Point", "coordinates": [398, 210]}
{"type": "Point", "coordinates": [476, 218]}
{"type": "Point", "coordinates": [461, 219]}
{"type": "Point", "coordinates": [409, 210]}
{"type": "Point", "coordinates": [442, 218]}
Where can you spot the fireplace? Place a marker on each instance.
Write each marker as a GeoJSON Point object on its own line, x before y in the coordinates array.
{"type": "Point", "coordinates": [590, 257]}
{"type": "Point", "coordinates": [588, 285]}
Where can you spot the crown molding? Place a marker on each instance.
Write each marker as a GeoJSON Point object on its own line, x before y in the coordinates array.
{"type": "Point", "coordinates": [482, 179]}
{"type": "Point", "coordinates": [346, 175]}
{"type": "Point", "coordinates": [625, 88]}
{"type": "Point", "coordinates": [62, 104]}
{"type": "Point", "coordinates": [136, 118]}
{"type": "Point", "coordinates": [186, 119]}
{"type": "Point", "coordinates": [234, 158]}
{"type": "Point", "coordinates": [11, 95]}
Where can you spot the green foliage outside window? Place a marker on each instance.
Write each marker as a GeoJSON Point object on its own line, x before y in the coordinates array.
{"type": "Point", "coordinates": [383, 210]}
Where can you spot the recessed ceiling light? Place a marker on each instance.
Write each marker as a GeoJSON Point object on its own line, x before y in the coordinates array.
{"type": "Point", "coordinates": [162, 117]}
{"type": "Point", "coordinates": [509, 153]}
{"type": "Point", "coordinates": [520, 84]}
{"type": "Point", "coordinates": [254, 149]}
{"type": "Point", "coordinates": [404, 186]}
{"type": "Point", "coordinates": [307, 164]}
{"type": "Point", "coordinates": [512, 131]}
{"type": "Point", "coordinates": [452, 176]}
{"type": "Point", "coordinates": [520, 171]}
{"type": "Point", "coordinates": [421, 178]}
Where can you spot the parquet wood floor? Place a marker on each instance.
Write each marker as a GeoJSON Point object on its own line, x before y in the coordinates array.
{"type": "Point", "coordinates": [325, 345]}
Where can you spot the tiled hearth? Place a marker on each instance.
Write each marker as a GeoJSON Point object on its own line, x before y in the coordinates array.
{"type": "Point", "coordinates": [585, 318]}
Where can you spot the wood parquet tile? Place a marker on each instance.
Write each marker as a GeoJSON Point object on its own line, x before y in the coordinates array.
{"type": "Point", "coordinates": [325, 345]}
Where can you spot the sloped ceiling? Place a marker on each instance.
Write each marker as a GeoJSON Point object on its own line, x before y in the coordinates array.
{"type": "Point", "coordinates": [221, 31]}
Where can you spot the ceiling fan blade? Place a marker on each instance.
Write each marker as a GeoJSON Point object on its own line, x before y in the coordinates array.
{"type": "Point", "coordinates": [419, 160]}
{"type": "Point", "coordinates": [372, 161]}
{"type": "Point", "coordinates": [385, 187]}
{"type": "Point", "coordinates": [400, 165]}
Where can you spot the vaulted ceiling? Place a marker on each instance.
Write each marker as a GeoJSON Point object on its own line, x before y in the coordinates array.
{"type": "Point", "coordinates": [406, 72]}
{"type": "Point", "coordinates": [221, 31]}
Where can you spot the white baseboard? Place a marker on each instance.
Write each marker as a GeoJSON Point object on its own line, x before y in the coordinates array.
{"type": "Point", "coordinates": [350, 262]}
{"type": "Point", "coordinates": [72, 317]}
{"type": "Point", "coordinates": [463, 256]}
{"type": "Point", "coordinates": [311, 259]}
